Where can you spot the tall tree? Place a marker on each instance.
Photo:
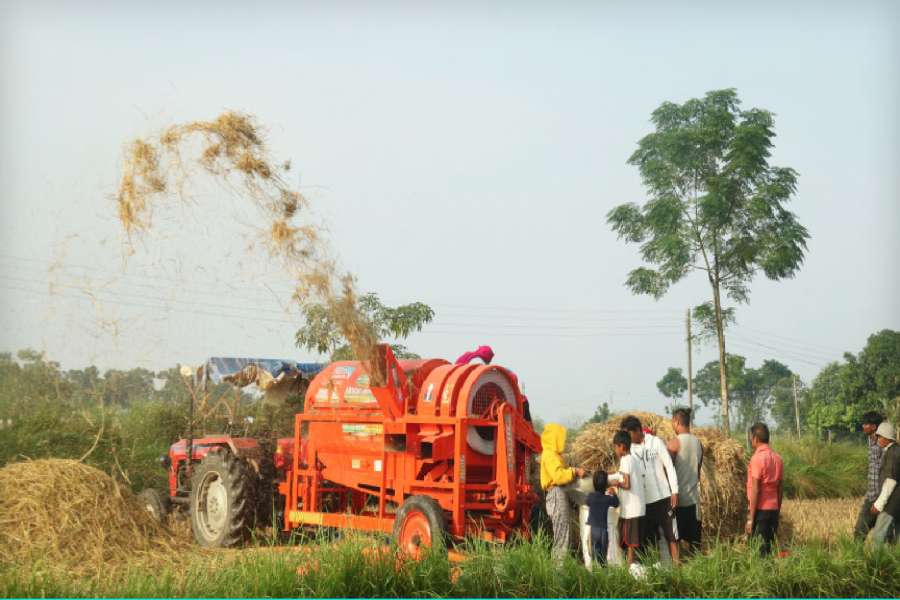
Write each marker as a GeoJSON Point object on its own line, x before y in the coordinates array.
{"type": "Point", "coordinates": [673, 384]}
{"type": "Point", "coordinates": [715, 205]}
{"type": "Point", "coordinates": [602, 414]}
{"type": "Point", "coordinates": [321, 334]}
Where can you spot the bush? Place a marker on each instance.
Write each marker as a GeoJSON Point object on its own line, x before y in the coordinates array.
{"type": "Point", "coordinates": [818, 469]}
{"type": "Point", "coordinates": [129, 440]}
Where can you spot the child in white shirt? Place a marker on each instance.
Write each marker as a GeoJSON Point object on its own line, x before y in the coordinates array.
{"type": "Point", "coordinates": [630, 481]}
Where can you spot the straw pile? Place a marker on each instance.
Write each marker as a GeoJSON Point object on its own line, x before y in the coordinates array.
{"type": "Point", "coordinates": [73, 517]}
{"type": "Point", "coordinates": [232, 149]}
{"type": "Point", "coordinates": [723, 501]}
{"type": "Point", "coordinates": [821, 519]}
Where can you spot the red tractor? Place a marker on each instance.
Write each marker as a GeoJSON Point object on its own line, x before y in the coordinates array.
{"type": "Point", "coordinates": [436, 452]}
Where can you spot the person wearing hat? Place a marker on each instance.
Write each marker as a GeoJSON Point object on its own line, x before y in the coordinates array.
{"type": "Point", "coordinates": [887, 505]}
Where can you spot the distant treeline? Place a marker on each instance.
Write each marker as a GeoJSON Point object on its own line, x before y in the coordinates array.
{"type": "Point", "coordinates": [119, 421]}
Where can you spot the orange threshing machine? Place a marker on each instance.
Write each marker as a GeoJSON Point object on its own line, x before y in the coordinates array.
{"type": "Point", "coordinates": [438, 450]}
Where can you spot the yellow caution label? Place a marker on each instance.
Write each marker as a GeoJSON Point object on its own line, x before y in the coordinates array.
{"type": "Point", "coordinates": [308, 518]}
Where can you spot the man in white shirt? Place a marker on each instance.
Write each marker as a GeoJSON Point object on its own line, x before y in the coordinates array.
{"type": "Point", "coordinates": [660, 486]}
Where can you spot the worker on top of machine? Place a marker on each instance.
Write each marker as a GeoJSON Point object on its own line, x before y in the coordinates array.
{"type": "Point", "coordinates": [485, 353]}
{"type": "Point", "coordinates": [554, 475]}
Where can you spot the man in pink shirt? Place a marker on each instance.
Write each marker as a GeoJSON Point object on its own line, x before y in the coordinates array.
{"type": "Point", "coordinates": [765, 479]}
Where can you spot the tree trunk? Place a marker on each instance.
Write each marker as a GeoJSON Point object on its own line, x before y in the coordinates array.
{"type": "Point", "coordinates": [723, 367]}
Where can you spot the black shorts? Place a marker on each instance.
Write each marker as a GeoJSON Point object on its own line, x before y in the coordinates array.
{"type": "Point", "coordinates": [658, 516]}
{"type": "Point", "coordinates": [688, 524]}
{"type": "Point", "coordinates": [629, 532]}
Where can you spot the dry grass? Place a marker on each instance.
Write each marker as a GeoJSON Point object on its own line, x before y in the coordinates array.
{"type": "Point", "coordinates": [77, 518]}
{"type": "Point", "coordinates": [723, 501]}
{"type": "Point", "coordinates": [233, 146]}
{"type": "Point", "coordinates": [822, 519]}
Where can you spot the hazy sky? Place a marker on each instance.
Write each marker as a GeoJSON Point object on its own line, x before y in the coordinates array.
{"type": "Point", "coordinates": [460, 156]}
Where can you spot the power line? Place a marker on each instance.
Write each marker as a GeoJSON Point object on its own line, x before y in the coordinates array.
{"type": "Point", "coordinates": [563, 310]}
{"type": "Point", "coordinates": [594, 335]}
{"type": "Point", "coordinates": [789, 358]}
{"type": "Point", "coordinates": [562, 314]}
{"type": "Point", "coordinates": [812, 354]}
{"type": "Point", "coordinates": [181, 284]}
{"type": "Point", "coordinates": [789, 340]}
{"type": "Point", "coordinates": [90, 298]}
{"type": "Point", "coordinates": [96, 293]}
{"type": "Point", "coordinates": [255, 312]}
{"type": "Point", "coordinates": [461, 328]}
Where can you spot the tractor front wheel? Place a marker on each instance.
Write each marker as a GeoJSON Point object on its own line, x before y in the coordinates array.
{"type": "Point", "coordinates": [420, 526]}
{"type": "Point", "coordinates": [223, 500]}
{"type": "Point", "coordinates": [156, 503]}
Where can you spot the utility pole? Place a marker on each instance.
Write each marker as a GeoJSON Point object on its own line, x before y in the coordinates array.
{"type": "Point", "coordinates": [796, 405]}
{"type": "Point", "coordinates": [690, 372]}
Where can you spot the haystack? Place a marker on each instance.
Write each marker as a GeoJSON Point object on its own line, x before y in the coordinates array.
{"type": "Point", "coordinates": [723, 501]}
{"type": "Point", "coordinates": [74, 517]}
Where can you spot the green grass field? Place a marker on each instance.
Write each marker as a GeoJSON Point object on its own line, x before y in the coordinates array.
{"type": "Point", "coordinates": [816, 469]}
{"type": "Point", "coordinates": [521, 570]}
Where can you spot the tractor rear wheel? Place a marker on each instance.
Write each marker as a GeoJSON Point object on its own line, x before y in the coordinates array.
{"type": "Point", "coordinates": [223, 500]}
{"type": "Point", "coordinates": [156, 503]}
{"type": "Point", "coordinates": [420, 525]}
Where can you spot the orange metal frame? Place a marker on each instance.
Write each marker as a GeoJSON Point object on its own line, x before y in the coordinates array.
{"type": "Point", "coordinates": [368, 448]}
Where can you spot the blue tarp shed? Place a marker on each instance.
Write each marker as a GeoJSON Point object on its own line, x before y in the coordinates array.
{"type": "Point", "coordinates": [217, 368]}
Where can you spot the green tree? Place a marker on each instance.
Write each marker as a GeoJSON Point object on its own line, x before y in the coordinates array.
{"type": "Point", "coordinates": [716, 205]}
{"type": "Point", "coordinates": [707, 386]}
{"type": "Point", "coordinates": [601, 415]}
{"type": "Point", "coordinates": [321, 333]}
{"type": "Point", "coordinates": [782, 403]}
{"type": "Point", "coordinates": [673, 385]}
{"type": "Point", "coordinates": [755, 397]}
{"type": "Point", "coordinates": [752, 390]}
{"type": "Point", "coordinates": [870, 380]}
{"type": "Point", "coordinates": [878, 368]}
{"type": "Point", "coordinates": [122, 388]}
{"type": "Point", "coordinates": [830, 404]}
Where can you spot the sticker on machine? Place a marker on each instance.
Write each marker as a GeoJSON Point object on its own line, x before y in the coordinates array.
{"type": "Point", "coordinates": [362, 430]}
{"type": "Point", "coordinates": [428, 392]}
{"type": "Point", "coordinates": [358, 395]}
{"type": "Point", "coordinates": [378, 466]}
{"type": "Point", "coordinates": [342, 372]}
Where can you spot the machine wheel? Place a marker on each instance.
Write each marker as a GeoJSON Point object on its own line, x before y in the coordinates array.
{"type": "Point", "coordinates": [420, 524]}
{"type": "Point", "coordinates": [223, 503]}
{"type": "Point", "coordinates": [156, 503]}
{"type": "Point", "coordinates": [267, 496]}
